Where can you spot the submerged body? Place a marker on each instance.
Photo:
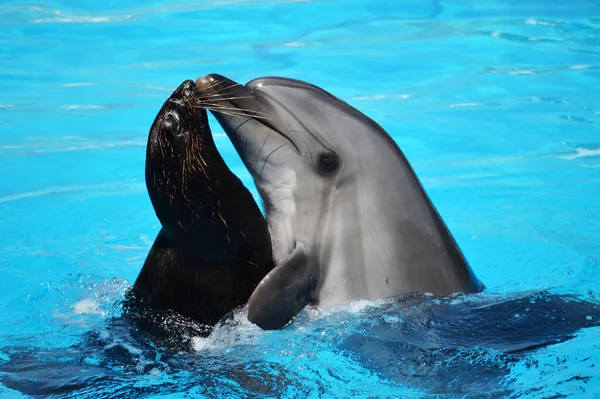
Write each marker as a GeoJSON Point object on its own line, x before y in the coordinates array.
{"type": "Point", "coordinates": [348, 217]}
{"type": "Point", "coordinates": [214, 245]}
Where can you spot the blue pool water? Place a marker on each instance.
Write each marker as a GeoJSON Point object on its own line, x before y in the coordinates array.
{"type": "Point", "coordinates": [495, 103]}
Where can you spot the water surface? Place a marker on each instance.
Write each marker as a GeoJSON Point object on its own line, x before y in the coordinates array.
{"type": "Point", "coordinates": [495, 104]}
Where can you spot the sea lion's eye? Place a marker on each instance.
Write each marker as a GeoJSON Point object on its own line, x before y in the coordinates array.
{"type": "Point", "coordinates": [329, 161]}
{"type": "Point", "coordinates": [171, 123]}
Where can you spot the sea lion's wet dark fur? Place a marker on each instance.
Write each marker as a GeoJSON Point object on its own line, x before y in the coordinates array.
{"type": "Point", "coordinates": [214, 245]}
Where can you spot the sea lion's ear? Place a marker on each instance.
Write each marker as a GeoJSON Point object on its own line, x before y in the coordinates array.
{"type": "Point", "coordinates": [283, 292]}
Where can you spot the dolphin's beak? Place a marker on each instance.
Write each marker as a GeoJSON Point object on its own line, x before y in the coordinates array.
{"type": "Point", "coordinates": [229, 96]}
{"type": "Point", "coordinates": [235, 105]}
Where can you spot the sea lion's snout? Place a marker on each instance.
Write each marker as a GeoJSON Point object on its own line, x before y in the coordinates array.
{"type": "Point", "coordinates": [185, 90]}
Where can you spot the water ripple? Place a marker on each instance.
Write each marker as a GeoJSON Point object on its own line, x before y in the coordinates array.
{"type": "Point", "coordinates": [41, 145]}
{"type": "Point", "coordinates": [535, 71]}
{"type": "Point", "coordinates": [44, 15]}
{"type": "Point", "coordinates": [582, 153]}
{"type": "Point", "coordinates": [97, 189]}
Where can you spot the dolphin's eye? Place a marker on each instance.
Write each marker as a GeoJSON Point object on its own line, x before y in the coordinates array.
{"type": "Point", "coordinates": [329, 161]}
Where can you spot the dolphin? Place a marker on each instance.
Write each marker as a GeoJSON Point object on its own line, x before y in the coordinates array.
{"type": "Point", "coordinates": [347, 215]}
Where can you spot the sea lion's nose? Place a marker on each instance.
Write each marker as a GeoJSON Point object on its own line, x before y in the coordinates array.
{"type": "Point", "coordinates": [186, 89]}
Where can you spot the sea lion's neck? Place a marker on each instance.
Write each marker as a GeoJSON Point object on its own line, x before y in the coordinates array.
{"type": "Point", "coordinates": [188, 205]}
{"type": "Point", "coordinates": [209, 200]}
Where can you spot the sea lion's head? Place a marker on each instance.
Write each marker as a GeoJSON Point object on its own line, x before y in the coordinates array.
{"type": "Point", "coordinates": [200, 203]}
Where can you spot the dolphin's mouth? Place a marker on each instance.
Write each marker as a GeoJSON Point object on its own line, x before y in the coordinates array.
{"type": "Point", "coordinates": [242, 101]}
{"type": "Point", "coordinates": [233, 99]}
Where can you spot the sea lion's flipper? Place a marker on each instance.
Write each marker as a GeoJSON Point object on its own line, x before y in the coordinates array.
{"type": "Point", "coordinates": [283, 292]}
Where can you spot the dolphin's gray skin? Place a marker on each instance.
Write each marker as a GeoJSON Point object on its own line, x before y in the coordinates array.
{"type": "Point", "coordinates": [347, 215]}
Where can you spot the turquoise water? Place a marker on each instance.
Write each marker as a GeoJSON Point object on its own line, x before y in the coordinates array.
{"type": "Point", "coordinates": [495, 104]}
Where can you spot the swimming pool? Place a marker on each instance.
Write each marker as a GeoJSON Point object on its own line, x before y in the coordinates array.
{"type": "Point", "coordinates": [495, 104]}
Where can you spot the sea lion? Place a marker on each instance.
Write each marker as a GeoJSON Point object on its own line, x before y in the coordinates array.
{"type": "Point", "coordinates": [214, 245]}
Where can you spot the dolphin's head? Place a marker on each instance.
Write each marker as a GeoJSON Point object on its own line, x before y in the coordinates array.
{"type": "Point", "coordinates": [301, 145]}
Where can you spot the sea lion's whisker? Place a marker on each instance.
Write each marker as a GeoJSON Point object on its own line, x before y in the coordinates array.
{"type": "Point", "coordinates": [223, 109]}
{"type": "Point", "coordinates": [230, 98]}
{"type": "Point", "coordinates": [240, 114]}
{"type": "Point", "coordinates": [225, 88]}
{"type": "Point", "coordinates": [247, 111]}
{"type": "Point", "coordinates": [218, 97]}
{"type": "Point", "coordinates": [221, 105]}
{"type": "Point", "coordinates": [214, 85]}
{"type": "Point", "coordinates": [215, 102]}
{"type": "Point", "coordinates": [218, 106]}
{"type": "Point", "coordinates": [233, 113]}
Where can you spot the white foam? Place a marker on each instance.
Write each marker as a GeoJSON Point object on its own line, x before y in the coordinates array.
{"type": "Point", "coordinates": [86, 306]}
{"type": "Point", "coordinates": [353, 307]}
{"type": "Point", "coordinates": [199, 343]}
{"type": "Point", "coordinates": [238, 331]}
{"type": "Point", "coordinates": [392, 318]}
{"type": "Point", "coordinates": [104, 335]}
